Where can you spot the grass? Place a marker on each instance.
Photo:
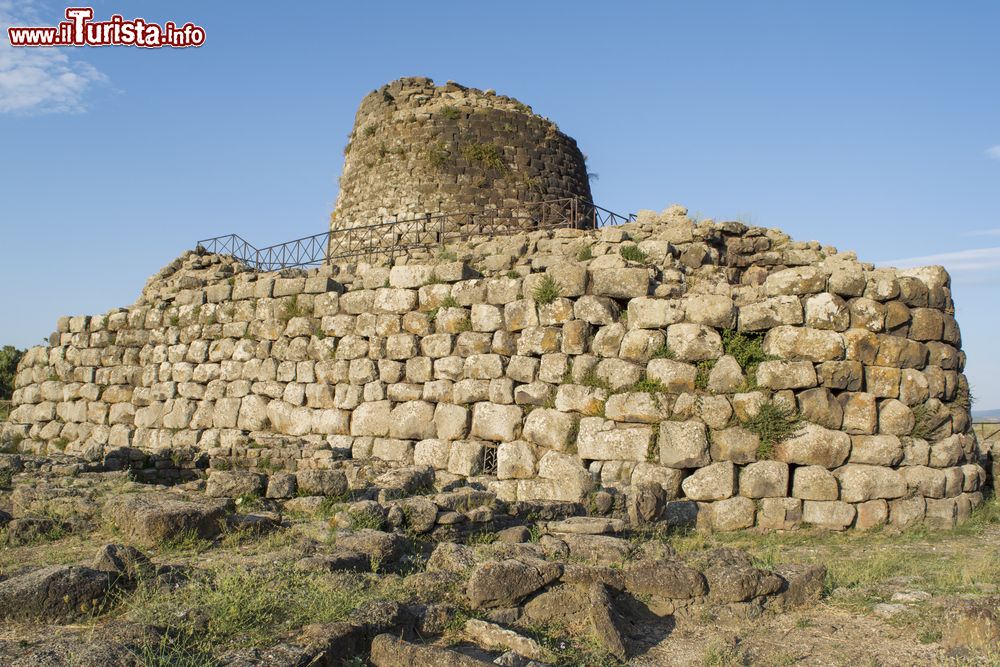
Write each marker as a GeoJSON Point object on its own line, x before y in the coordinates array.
{"type": "Point", "coordinates": [489, 156]}
{"type": "Point", "coordinates": [772, 424]}
{"type": "Point", "coordinates": [584, 253]}
{"type": "Point", "coordinates": [173, 651]}
{"type": "Point", "coordinates": [663, 352]}
{"type": "Point", "coordinates": [547, 290]}
{"type": "Point", "coordinates": [291, 308]}
{"type": "Point", "coordinates": [648, 385]}
{"type": "Point", "coordinates": [746, 348]}
{"type": "Point", "coordinates": [186, 541]}
{"type": "Point", "coordinates": [632, 253]}
{"type": "Point", "coordinates": [437, 154]}
{"type": "Point", "coordinates": [704, 371]}
{"type": "Point", "coordinates": [229, 605]}
{"type": "Point", "coordinates": [862, 564]}
{"type": "Point", "coordinates": [451, 113]}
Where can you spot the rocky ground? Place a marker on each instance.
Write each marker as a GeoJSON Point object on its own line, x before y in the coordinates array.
{"type": "Point", "coordinates": [388, 570]}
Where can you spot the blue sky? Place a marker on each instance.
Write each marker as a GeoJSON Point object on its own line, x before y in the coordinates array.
{"type": "Point", "coordinates": [868, 126]}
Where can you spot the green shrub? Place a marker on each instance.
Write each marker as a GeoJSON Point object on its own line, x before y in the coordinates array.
{"type": "Point", "coordinates": [772, 424]}
{"type": "Point", "coordinates": [451, 113]}
{"type": "Point", "coordinates": [547, 290]}
{"type": "Point", "coordinates": [663, 352]}
{"type": "Point", "coordinates": [512, 274]}
{"type": "Point", "coordinates": [449, 302]}
{"type": "Point", "coordinates": [584, 253]}
{"type": "Point", "coordinates": [632, 253]}
{"type": "Point", "coordinates": [746, 348]}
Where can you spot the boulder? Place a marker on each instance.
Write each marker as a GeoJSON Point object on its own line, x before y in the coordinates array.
{"type": "Point", "coordinates": [233, 484]}
{"type": "Point", "coordinates": [666, 579]}
{"type": "Point", "coordinates": [57, 593]}
{"type": "Point", "coordinates": [507, 582]}
{"type": "Point", "coordinates": [606, 623]}
{"type": "Point", "coordinates": [150, 518]}
{"type": "Point", "coordinates": [388, 651]}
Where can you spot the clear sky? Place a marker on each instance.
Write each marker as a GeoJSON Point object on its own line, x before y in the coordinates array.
{"type": "Point", "coordinates": [870, 126]}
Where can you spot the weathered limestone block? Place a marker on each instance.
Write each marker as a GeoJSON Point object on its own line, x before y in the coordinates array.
{"type": "Point", "coordinates": [650, 313]}
{"type": "Point", "coordinates": [596, 310]}
{"type": "Point", "coordinates": [412, 420]}
{"type": "Point", "coordinates": [726, 376]}
{"type": "Point", "coordinates": [769, 313]}
{"type": "Point", "coordinates": [859, 483]}
{"type": "Point", "coordinates": [577, 398]}
{"type": "Point", "coordinates": [639, 345]}
{"type": "Point", "coordinates": [617, 374]}
{"type": "Point", "coordinates": [432, 452]}
{"type": "Point", "coordinates": [551, 429]}
{"type": "Point", "coordinates": [713, 482]}
{"type": "Point", "coordinates": [786, 375]}
{"type": "Point", "coordinates": [520, 315]}
{"type": "Point", "coordinates": [879, 450]}
{"type": "Point", "coordinates": [640, 407]}
{"type": "Point", "coordinates": [600, 440]}
{"type": "Point", "coordinates": [466, 457]}
{"type": "Point", "coordinates": [804, 344]}
{"type": "Point", "coordinates": [860, 413]}
{"type": "Point", "coordinates": [764, 479]}
{"type": "Point", "coordinates": [515, 460]}
{"type": "Point", "coordinates": [693, 342]}
{"type": "Point", "coordinates": [827, 311]}
{"type": "Point", "coordinates": [820, 406]}
{"type": "Point", "coordinates": [372, 419]}
{"type": "Point", "coordinates": [735, 444]}
{"type": "Point", "coordinates": [814, 445]}
{"type": "Point", "coordinates": [669, 479]}
{"type": "Point", "coordinates": [620, 283]}
{"type": "Point", "coordinates": [796, 281]}
{"type": "Point", "coordinates": [714, 310]}
{"type": "Point", "coordinates": [392, 300]}
{"type": "Point", "coordinates": [683, 444]}
{"type": "Point", "coordinates": [608, 340]}
{"type": "Point", "coordinates": [676, 376]}
{"type": "Point", "coordinates": [499, 423]}
{"type": "Point", "coordinates": [925, 481]}
{"type": "Point", "coordinates": [451, 422]}
{"type": "Point", "coordinates": [895, 418]}
{"type": "Point", "coordinates": [832, 515]}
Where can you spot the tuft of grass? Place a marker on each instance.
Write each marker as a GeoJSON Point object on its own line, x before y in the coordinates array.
{"type": "Point", "coordinates": [648, 385]}
{"type": "Point", "coordinates": [447, 256]}
{"type": "Point", "coordinates": [451, 112]}
{"type": "Point", "coordinates": [449, 302]}
{"type": "Point", "coordinates": [591, 379]}
{"type": "Point", "coordinates": [632, 253]}
{"type": "Point", "coordinates": [173, 650]}
{"type": "Point", "coordinates": [513, 274]}
{"type": "Point", "coordinates": [547, 290]}
{"type": "Point", "coordinates": [227, 606]}
{"type": "Point", "coordinates": [184, 542]}
{"type": "Point", "coordinates": [746, 348]}
{"type": "Point", "coordinates": [704, 370]}
{"type": "Point", "coordinates": [489, 155]}
{"type": "Point", "coordinates": [437, 154]}
{"type": "Point", "coordinates": [772, 424]}
{"type": "Point", "coordinates": [584, 253]}
{"type": "Point", "coordinates": [290, 309]}
{"type": "Point", "coordinates": [663, 352]}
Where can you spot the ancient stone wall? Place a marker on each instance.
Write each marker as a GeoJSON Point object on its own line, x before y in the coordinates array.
{"type": "Point", "coordinates": [418, 149]}
{"type": "Point", "coordinates": [703, 373]}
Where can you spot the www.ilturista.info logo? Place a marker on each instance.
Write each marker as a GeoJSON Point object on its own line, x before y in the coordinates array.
{"type": "Point", "coordinates": [80, 30]}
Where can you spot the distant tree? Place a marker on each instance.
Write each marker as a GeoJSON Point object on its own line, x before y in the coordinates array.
{"type": "Point", "coordinates": [9, 357]}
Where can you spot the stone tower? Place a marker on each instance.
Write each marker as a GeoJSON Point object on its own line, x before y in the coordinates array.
{"type": "Point", "coordinates": [417, 148]}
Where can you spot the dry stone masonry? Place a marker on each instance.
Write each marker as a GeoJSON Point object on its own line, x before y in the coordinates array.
{"type": "Point", "coordinates": [417, 148]}
{"type": "Point", "coordinates": [705, 373]}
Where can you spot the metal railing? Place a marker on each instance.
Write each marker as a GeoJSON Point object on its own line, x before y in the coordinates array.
{"type": "Point", "coordinates": [397, 236]}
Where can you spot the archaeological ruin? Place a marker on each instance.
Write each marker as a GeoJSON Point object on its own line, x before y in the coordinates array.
{"type": "Point", "coordinates": [660, 369]}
